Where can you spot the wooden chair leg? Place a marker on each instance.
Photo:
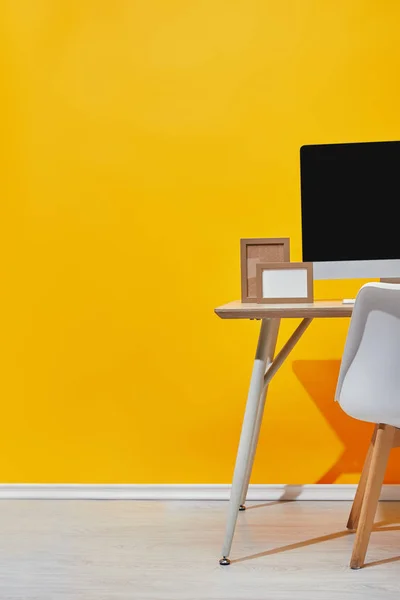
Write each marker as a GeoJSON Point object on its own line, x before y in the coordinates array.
{"type": "Point", "coordinates": [396, 439]}
{"type": "Point", "coordinates": [354, 516]}
{"type": "Point", "coordinates": [381, 449]}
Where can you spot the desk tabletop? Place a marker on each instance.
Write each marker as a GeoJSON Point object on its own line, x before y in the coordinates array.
{"type": "Point", "coordinates": [319, 308]}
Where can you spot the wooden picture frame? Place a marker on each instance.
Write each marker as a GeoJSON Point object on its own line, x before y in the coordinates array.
{"type": "Point", "coordinates": [259, 250]}
{"type": "Point", "coordinates": [282, 282]}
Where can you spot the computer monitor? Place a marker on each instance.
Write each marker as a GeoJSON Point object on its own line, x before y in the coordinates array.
{"type": "Point", "coordinates": [350, 208]}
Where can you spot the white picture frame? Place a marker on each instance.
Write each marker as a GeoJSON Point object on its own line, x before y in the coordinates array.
{"type": "Point", "coordinates": [284, 283]}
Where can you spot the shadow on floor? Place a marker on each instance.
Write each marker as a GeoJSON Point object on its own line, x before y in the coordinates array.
{"type": "Point", "coordinates": [289, 494]}
{"type": "Point", "coordinates": [380, 526]}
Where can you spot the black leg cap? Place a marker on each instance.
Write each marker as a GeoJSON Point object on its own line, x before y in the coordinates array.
{"type": "Point", "coordinates": [224, 561]}
{"type": "Point", "coordinates": [242, 507]}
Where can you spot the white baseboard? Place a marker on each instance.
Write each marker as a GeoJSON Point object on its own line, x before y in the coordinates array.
{"type": "Point", "coordinates": [257, 492]}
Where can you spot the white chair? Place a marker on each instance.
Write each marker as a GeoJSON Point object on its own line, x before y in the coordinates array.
{"type": "Point", "coordinates": [369, 389]}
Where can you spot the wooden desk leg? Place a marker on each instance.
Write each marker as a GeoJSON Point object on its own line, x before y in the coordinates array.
{"type": "Point", "coordinates": [260, 378]}
{"type": "Point", "coordinates": [271, 345]}
{"type": "Point", "coordinates": [246, 437]}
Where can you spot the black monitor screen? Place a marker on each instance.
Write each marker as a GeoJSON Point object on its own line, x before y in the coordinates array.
{"type": "Point", "coordinates": [350, 201]}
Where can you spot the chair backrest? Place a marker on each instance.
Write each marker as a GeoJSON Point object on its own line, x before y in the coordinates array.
{"type": "Point", "coordinates": [369, 379]}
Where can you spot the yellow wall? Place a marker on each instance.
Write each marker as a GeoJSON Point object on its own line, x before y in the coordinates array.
{"type": "Point", "coordinates": [142, 139]}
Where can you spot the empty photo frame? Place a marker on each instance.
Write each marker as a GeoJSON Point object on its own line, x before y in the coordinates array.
{"type": "Point", "coordinates": [259, 250]}
{"type": "Point", "coordinates": [284, 283]}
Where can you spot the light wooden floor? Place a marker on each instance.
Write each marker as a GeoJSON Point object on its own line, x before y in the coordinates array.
{"type": "Point", "coordinates": [91, 550]}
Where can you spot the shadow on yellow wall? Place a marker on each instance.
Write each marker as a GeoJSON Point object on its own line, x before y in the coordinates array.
{"type": "Point", "coordinates": [319, 378]}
